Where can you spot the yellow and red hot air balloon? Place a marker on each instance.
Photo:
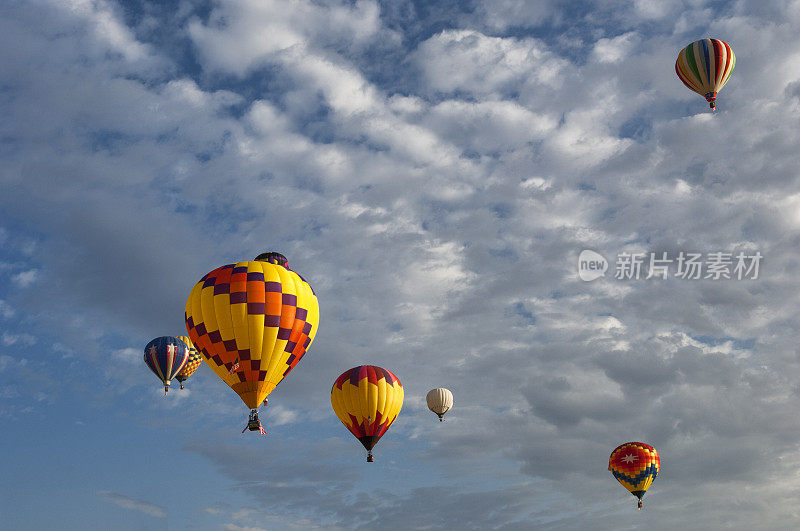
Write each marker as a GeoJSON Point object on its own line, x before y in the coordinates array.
{"type": "Point", "coordinates": [635, 465]}
{"type": "Point", "coordinates": [705, 66]}
{"type": "Point", "coordinates": [192, 364]}
{"type": "Point", "coordinates": [367, 399]}
{"type": "Point", "coordinates": [253, 322]}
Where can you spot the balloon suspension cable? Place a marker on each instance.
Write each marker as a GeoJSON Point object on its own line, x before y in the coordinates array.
{"type": "Point", "coordinates": [369, 456]}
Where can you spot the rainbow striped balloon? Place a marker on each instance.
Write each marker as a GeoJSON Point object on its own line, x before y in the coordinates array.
{"type": "Point", "coordinates": [705, 66]}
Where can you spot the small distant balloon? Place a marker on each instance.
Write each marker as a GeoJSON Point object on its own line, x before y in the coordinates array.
{"type": "Point", "coordinates": [705, 66]}
{"type": "Point", "coordinates": [367, 399]}
{"type": "Point", "coordinates": [635, 465]}
{"type": "Point", "coordinates": [192, 364]}
{"type": "Point", "coordinates": [440, 401]}
{"type": "Point", "coordinates": [166, 356]}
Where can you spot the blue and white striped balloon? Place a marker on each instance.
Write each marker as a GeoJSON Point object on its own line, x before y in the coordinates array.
{"type": "Point", "coordinates": [166, 356]}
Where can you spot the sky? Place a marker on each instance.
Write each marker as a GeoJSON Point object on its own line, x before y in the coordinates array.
{"type": "Point", "coordinates": [434, 170]}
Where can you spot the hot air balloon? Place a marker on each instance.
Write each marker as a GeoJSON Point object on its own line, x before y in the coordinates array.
{"type": "Point", "coordinates": [439, 400]}
{"type": "Point", "coordinates": [192, 364]}
{"type": "Point", "coordinates": [252, 322]}
{"type": "Point", "coordinates": [705, 66]}
{"type": "Point", "coordinates": [367, 399]}
{"type": "Point", "coordinates": [166, 356]}
{"type": "Point", "coordinates": [635, 465]}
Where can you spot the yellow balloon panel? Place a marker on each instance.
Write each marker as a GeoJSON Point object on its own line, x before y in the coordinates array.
{"type": "Point", "coordinates": [253, 322]}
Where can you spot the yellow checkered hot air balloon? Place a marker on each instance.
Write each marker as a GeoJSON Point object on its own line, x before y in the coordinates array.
{"type": "Point", "coordinates": [253, 322]}
{"type": "Point", "coordinates": [367, 399]}
{"type": "Point", "coordinates": [635, 465]}
{"type": "Point", "coordinates": [193, 363]}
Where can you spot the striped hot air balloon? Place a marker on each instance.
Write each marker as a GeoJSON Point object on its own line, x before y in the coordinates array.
{"type": "Point", "coordinates": [635, 465]}
{"type": "Point", "coordinates": [705, 66]}
{"type": "Point", "coordinates": [367, 399]}
{"type": "Point", "coordinates": [166, 356]}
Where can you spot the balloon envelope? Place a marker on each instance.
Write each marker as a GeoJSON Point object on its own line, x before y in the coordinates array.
{"type": "Point", "coordinates": [253, 322]}
{"type": "Point", "coordinates": [367, 399]}
{"type": "Point", "coordinates": [439, 400]}
{"type": "Point", "coordinates": [192, 364]}
{"type": "Point", "coordinates": [705, 66]}
{"type": "Point", "coordinates": [635, 465]}
{"type": "Point", "coordinates": [166, 356]}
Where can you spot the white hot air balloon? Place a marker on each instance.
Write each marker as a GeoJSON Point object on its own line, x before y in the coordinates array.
{"type": "Point", "coordinates": [440, 400]}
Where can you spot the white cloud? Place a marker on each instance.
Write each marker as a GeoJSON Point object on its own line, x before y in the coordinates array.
{"type": "Point", "coordinates": [489, 127]}
{"type": "Point", "coordinates": [469, 61]}
{"type": "Point", "coordinates": [278, 415]}
{"type": "Point", "coordinates": [23, 339]}
{"type": "Point", "coordinates": [245, 35]}
{"type": "Point", "coordinates": [25, 279]}
{"type": "Point", "coordinates": [107, 29]}
{"type": "Point", "coordinates": [615, 49]}
{"type": "Point", "coordinates": [128, 355]}
{"type": "Point", "coordinates": [6, 310]}
{"type": "Point", "coordinates": [136, 505]}
{"type": "Point", "coordinates": [436, 198]}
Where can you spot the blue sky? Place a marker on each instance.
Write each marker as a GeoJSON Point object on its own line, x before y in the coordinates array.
{"type": "Point", "coordinates": [433, 170]}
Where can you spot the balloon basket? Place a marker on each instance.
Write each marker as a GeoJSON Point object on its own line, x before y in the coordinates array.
{"type": "Point", "coordinates": [253, 424]}
{"type": "Point", "coordinates": [369, 458]}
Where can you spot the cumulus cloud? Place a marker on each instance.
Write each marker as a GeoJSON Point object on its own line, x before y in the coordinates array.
{"type": "Point", "coordinates": [439, 220]}
{"type": "Point", "coordinates": [25, 278]}
{"type": "Point", "coordinates": [481, 65]}
{"type": "Point", "coordinates": [615, 49]}
{"type": "Point", "coordinates": [241, 36]}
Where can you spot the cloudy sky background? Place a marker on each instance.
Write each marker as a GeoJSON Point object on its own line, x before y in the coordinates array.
{"type": "Point", "coordinates": [434, 172]}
